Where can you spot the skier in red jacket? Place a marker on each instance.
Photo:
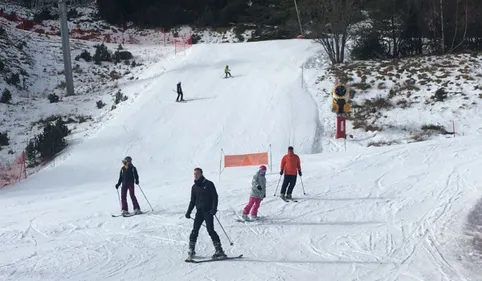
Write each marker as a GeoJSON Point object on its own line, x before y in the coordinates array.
{"type": "Point", "coordinates": [290, 166]}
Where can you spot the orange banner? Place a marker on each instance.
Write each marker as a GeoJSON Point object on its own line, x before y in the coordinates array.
{"type": "Point", "coordinates": [246, 159]}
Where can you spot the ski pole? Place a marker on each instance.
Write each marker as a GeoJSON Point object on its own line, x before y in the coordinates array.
{"type": "Point", "coordinates": [145, 197]}
{"type": "Point", "coordinates": [302, 185]}
{"type": "Point", "coordinates": [118, 197]}
{"type": "Point", "coordinates": [231, 243]}
{"type": "Point", "coordinates": [277, 186]}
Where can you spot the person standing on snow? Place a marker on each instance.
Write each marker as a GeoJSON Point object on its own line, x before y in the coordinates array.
{"type": "Point", "coordinates": [290, 166]}
{"type": "Point", "coordinates": [205, 198]}
{"type": "Point", "coordinates": [128, 176]}
{"type": "Point", "coordinates": [179, 93]}
{"type": "Point", "coordinates": [227, 71]}
{"type": "Point", "coordinates": [258, 193]}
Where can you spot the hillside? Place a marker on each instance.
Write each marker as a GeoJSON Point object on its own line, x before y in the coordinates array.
{"type": "Point", "coordinates": [40, 66]}
{"type": "Point", "coordinates": [406, 211]}
{"type": "Point", "coordinates": [395, 102]}
{"type": "Point", "coordinates": [372, 214]}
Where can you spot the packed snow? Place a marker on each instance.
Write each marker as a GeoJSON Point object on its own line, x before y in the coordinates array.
{"type": "Point", "coordinates": [392, 213]}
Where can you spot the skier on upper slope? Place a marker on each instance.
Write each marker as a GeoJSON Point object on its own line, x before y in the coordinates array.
{"type": "Point", "coordinates": [179, 93]}
{"type": "Point", "coordinates": [128, 176]}
{"type": "Point", "coordinates": [290, 166]}
{"type": "Point", "coordinates": [205, 198]}
{"type": "Point", "coordinates": [227, 71]}
{"type": "Point", "coordinates": [258, 193]}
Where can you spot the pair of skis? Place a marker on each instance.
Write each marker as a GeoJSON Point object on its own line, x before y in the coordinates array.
{"type": "Point", "coordinates": [288, 200]}
{"type": "Point", "coordinates": [191, 260]}
{"type": "Point", "coordinates": [248, 220]}
{"type": "Point", "coordinates": [129, 214]}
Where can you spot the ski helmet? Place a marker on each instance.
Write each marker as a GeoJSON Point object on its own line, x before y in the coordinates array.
{"type": "Point", "coordinates": [128, 159]}
{"type": "Point", "coordinates": [262, 168]}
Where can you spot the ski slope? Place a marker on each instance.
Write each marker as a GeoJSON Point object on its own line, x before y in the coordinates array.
{"type": "Point", "coordinates": [394, 213]}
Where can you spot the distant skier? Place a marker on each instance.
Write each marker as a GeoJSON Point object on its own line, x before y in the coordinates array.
{"type": "Point", "coordinates": [258, 193]}
{"type": "Point", "coordinates": [179, 93]}
{"type": "Point", "coordinates": [205, 198]}
{"type": "Point", "coordinates": [128, 176]}
{"type": "Point", "coordinates": [227, 71]}
{"type": "Point", "coordinates": [290, 166]}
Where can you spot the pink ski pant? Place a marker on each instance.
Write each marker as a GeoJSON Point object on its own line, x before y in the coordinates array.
{"type": "Point", "coordinates": [252, 205]}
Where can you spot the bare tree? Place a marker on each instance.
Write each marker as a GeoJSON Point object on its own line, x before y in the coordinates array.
{"type": "Point", "coordinates": [464, 36]}
{"type": "Point", "coordinates": [442, 26]}
{"type": "Point", "coordinates": [330, 22]}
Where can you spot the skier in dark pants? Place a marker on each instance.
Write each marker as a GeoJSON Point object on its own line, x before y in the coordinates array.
{"type": "Point", "coordinates": [205, 198]}
{"type": "Point", "coordinates": [227, 72]}
{"type": "Point", "coordinates": [290, 166]}
{"type": "Point", "coordinates": [179, 93]}
{"type": "Point", "coordinates": [128, 176]}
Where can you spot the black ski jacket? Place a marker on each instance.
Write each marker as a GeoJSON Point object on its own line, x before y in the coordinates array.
{"type": "Point", "coordinates": [179, 90]}
{"type": "Point", "coordinates": [203, 196]}
{"type": "Point", "coordinates": [128, 175]}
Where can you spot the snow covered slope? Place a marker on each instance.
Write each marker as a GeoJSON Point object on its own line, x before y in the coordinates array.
{"type": "Point", "coordinates": [392, 213]}
{"type": "Point", "coordinates": [261, 105]}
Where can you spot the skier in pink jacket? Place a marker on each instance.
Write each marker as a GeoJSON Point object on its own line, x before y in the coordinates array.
{"type": "Point", "coordinates": [258, 193]}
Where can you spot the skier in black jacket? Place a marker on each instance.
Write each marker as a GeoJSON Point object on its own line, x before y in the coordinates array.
{"type": "Point", "coordinates": [128, 176]}
{"type": "Point", "coordinates": [205, 198]}
{"type": "Point", "coordinates": [179, 93]}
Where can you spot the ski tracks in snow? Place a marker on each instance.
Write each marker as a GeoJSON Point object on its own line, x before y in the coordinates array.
{"type": "Point", "coordinates": [420, 237]}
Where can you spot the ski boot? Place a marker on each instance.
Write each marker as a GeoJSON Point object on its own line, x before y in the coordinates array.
{"type": "Point", "coordinates": [245, 217]}
{"type": "Point", "coordinates": [219, 254]}
{"type": "Point", "coordinates": [288, 196]}
{"type": "Point", "coordinates": [191, 253]}
{"type": "Point", "coordinates": [254, 218]}
{"type": "Point", "coordinates": [125, 212]}
{"type": "Point", "coordinates": [282, 196]}
{"type": "Point", "coordinates": [137, 212]}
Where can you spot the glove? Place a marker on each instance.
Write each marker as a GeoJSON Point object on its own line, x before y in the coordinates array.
{"type": "Point", "coordinates": [213, 212]}
{"type": "Point", "coordinates": [259, 187]}
{"type": "Point", "coordinates": [117, 186]}
{"type": "Point", "coordinates": [137, 182]}
{"type": "Point", "coordinates": [281, 172]}
{"type": "Point", "coordinates": [264, 195]}
{"type": "Point", "coordinates": [299, 173]}
{"type": "Point", "coordinates": [188, 215]}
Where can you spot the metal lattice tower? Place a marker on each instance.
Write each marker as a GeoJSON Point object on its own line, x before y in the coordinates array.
{"type": "Point", "coordinates": [40, 4]}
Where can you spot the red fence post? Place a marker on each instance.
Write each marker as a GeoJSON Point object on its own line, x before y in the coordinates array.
{"type": "Point", "coordinates": [24, 166]}
{"type": "Point", "coordinates": [340, 127]}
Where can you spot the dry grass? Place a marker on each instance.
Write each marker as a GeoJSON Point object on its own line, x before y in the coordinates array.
{"type": "Point", "coordinates": [435, 129]}
{"type": "Point", "coordinates": [382, 143]}
{"type": "Point", "coordinates": [378, 103]}
{"type": "Point", "coordinates": [382, 86]}
{"type": "Point", "coordinates": [361, 86]}
{"type": "Point", "coordinates": [403, 103]}
{"type": "Point", "coordinates": [418, 137]}
{"type": "Point", "coordinates": [365, 125]}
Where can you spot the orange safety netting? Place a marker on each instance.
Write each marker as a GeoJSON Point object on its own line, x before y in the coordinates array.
{"type": "Point", "coordinates": [13, 172]}
{"type": "Point", "coordinates": [246, 159]}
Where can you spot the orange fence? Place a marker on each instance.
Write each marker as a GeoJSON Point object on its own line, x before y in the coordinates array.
{"type": "Point", "coordinates": [242, 160]}
{"type": "Point", "coordinates": [114, 35]}
{"type": "Point", "coordinates": [13, 172]}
